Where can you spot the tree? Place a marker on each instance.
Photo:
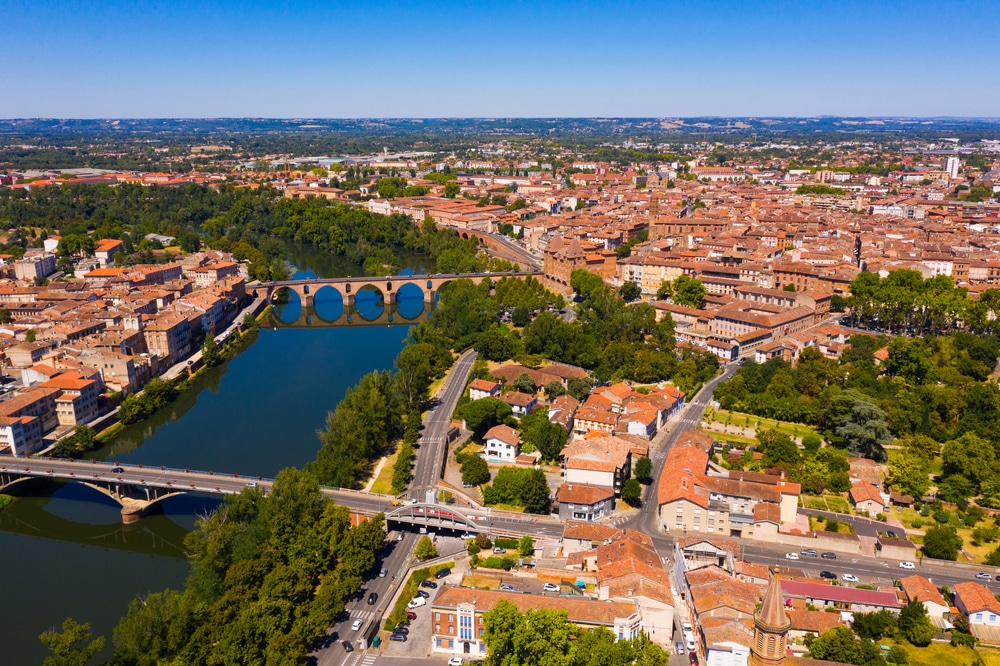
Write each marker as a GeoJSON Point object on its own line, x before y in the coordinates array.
{"type": "Point", "coordinates": [524, 383]}
{"type": "Point", "coordinates": [554, 389]}
{"type": "Point", "coordinates": [481, 415]}
{"type": "Point", "coordinates": [778, 448]}
{"type": "Point", "coordinates": [630, 291]}
{"type": "Point", "coordinates": [584, 282]}
{"type": "Point", "coordinates": [812, 442]}
{"type": "Point", "coordinates": [908, 473]}
{"type": "Point", "coordinates": [526, 546]}
{"type": "Point", "coordinates": [665, 290]}
{"type": "Point", "coordinates": [5, 317]}
{"type": "Point", "coordinates": [873, 626]}
{"type": "Point", "coordinates": [689, 291]}
{"type": "Point", "coordinates": [942, 542]}
{"type": "Point", "coordinates": [838, 645]}
{"type": "Point", "coordinates": [632, 492]}
{"type": "Point", "coordinates": [970, 456]}
{"type": "Point", "coordinates": [535, 493]}
{"type": "Point", "coordinates": [475, 471]}
{"type": "Point", "coordinates": [66, 645]}
{"type": "Point", "coordinates": [789, 287]}
{"type": "Point", "coordinates": [210, 352]}
{"type": "Point", "coordinates": [643, 469]}
{"type": "Point", "coordinates": [914, 624]}
{"type": "Point", "coordinates": [865, 431]}
{"type": "Point", "coordinates": [520, 316]}
{"type": "Point", "coordinates": [425, 549]}
{"type": "Point", "coordinates": [29, 336]}
{"type": "Point", "coordinates": [452, 189]}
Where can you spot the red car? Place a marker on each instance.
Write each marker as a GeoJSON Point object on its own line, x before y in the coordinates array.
{"type": "Point", "coordinates": [411, 615]}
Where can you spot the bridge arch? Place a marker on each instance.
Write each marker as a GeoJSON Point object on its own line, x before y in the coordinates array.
{"type": "Point", "coordinates": [434, 515]}
{"type": "Point", "coordinates": [329, 303]}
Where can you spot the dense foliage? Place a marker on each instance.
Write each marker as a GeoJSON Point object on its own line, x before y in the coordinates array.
{"type": "Point", "coordinates": [519, 486]}
{"type": "Point", "coordinates": [269, 574]}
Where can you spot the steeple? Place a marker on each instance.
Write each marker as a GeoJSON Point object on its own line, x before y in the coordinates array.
{"type": "Point", "coordinates": [771, 625]}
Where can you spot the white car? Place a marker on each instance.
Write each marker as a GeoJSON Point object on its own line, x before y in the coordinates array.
{"type": "Point", "coordinates": [907, 565]}
{"type": "Point", "coordinates": [849, 578]}
{"type": "Point", "coordinates": [416, 602]}
{"type": "Point", "coordinates": [455, 661]}
{"type": "Point", "coordinates": [357, 625]}
{"type": "Point", "coordinates": [550, 587]}
{"type": "Point", "coordinates": [791, 556]}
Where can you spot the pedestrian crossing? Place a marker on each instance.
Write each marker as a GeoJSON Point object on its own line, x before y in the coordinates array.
{"type": "Point", "coordinates": [359, 614]}
{"type": "Point", "coordinates": [364, 659]}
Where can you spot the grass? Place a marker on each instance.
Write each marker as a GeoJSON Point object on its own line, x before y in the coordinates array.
{"type": "Point", "coordinates": [838, 504]}
{"type": "Point", "coordinates": [729, 437]}
{"type": "Point", "coordinates": [834, 503]}
{"type": "Point", "coordinates": [979, 553]}
{"type": "Point", "coordinates": [481, 583]}
{"type": "Point", "coordinates": [508, 507]}
{"type": "Point", "coordinates": [816, 523]}
{"type": "Point", "coordinates": [383, 483]}
{"type": "Point", "coordinates": [6, 501]}
{"type": "Point", "coordinates": [943, 654]}
{"type": "Point", "coordinates": [751, 421]}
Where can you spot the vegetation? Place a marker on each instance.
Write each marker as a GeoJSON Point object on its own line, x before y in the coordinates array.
{"type": "Point", "coordinates": [425, 549]}
{"type": "Point", "coordinates": [81, 441]}
{"type": "Point", "coordinates": [138, 406]}
{"type": "Point", "coordinates": [521, 487]}
{"type": "Point", "coordinates": [72, 646]}
{"type": "Point", "coordinates": [269, 574]}
{"type": "Point", "coordinates": [542, 637]}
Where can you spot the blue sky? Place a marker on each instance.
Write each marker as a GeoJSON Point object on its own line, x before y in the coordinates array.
{"type": "Point", "coordinates": [70, 58]}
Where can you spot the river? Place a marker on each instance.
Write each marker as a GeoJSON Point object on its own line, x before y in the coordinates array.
{"type": "Point", "coordinates": [65, 552]}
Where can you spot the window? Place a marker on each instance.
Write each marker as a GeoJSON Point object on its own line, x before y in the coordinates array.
{"type": "Point", "coordinates": [979, 616]}
{"type": "Point", "coordinates": [437, 627]}
{"type": "Point", "coordinates": [451, 643]}
{"type": "Point", "coordinates": [451, 629]}
{"type": "Point", "coordinates": [451, 617]}
{"type": "Point", "coordinates": [437, 615]}
{"type": "Point", "coordinates": [993, 617]}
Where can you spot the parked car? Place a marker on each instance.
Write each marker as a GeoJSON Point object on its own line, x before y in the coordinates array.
{"type": "Point", "coordinates": [429, 584]}
{"type": "Point", "coordinates": [506, 587]}
{"type": "Point", "coordinates": [808, 552]}
{"type": "Point", "coordinates": [849, 578]}
{"type": "Point", "coordinates": [455, 661]}
{"type": "Point", "coordinates": [680, 647]}
{"type": "Point", "coordinates": [400, 638]}
{"type": "Point", "coordinates": [357, 625]}
{"type": "Point", "coordinates": [982, 575]}
{"type": "Point", "coordinates": [499, 551]}
{"type": "Point", "coordinates": [829, 575]}
{"type": "Point", "coordinates": [907, 565]}
{"type": "Point", "coordinates": [416, 602]}
{"type": "Point", "coordinates": [550, 587]}
{"type": "Point", "coordinates": [410, 615]}
{"type": "Point", "coordinates": [442, 574]}
{"type": "Point", "coordinates": [829, 556]}
{"type": "Point", "coordinates": [401, 630]}
{"type": "Point", "coordinates": [468, 535]}
{"type": "Point", "coordinates": [891, 534]}
{"type": "Point", "coordinates": [348, 647]}
{"type": "Point", "coordinates": [372, 598]}
{"type": "Point", "coordinates": [693, 658]}
{"type": "Point", "coordinates": [424, 594]}
{"type": "Point", "coordinates": [791, 556]}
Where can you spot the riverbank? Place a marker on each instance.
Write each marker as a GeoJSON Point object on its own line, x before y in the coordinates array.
{"type": "Point", "coordinates": [6, 501]}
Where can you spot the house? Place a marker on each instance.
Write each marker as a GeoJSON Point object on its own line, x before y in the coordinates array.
{"type": "Point", "coordinates": [457, 616]}
{"type": "Point", "coordinates": [588, 419]}
{"type": "Point", "coordinates": [982, 608]}
{"type": "Point", "coordinates": [481, 388]}
{"type": "Point", "coordinates": [604, 460]}
{"type": "Point", "coordinates": [77, 401]}
{"type": "Point", "coordinates": [106, 250]}
{"type": "Point", "coordinates": [502, 443]}
{"type": "Point", "coordinates": [520, 403]}
{"type": "Point", "coordinates": [866, 497]}
{"type": "Point", "coordinates": [584, 502]}
{"type": "Point", "coordinates": [851, 599]}
{"type": "Point", "coordinates": [918, 588]}
{"type": "Point", "coordinates": [562, 410]}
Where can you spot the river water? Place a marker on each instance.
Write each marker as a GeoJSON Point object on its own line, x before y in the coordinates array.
{"type": "Point", "coordinates": [64, 550]}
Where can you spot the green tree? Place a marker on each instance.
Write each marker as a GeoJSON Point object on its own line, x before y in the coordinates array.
{"type": "Point", "coordinates": [778, 448]}
{"type": "Point", "coordinates": [874, 626]}
{"type": "Point", "coordinates": [29, 335]}
{"type": "Point", "coordinates": [481, 415]}
{"type": "Point", "coordinates": [526, 546]}
{"type": "Point", "coordinates": [908, 473]}
{"type": "Point", "coordinates": [452, 190]}
{"type": "Point", "coordinates": [524, 383]}
{"type": "Point", "coordinates": [70, 647]}
{"type": "Point", "coordinates": [5, 317]}
{"type": "Point", "coordinates": [942, 542]}
{"type": "Point", "coordinates": [475, 471]}
{"type": "Point", "coordinates": [838, 645]}
{"type": "Point", "coordinates": [425, 549]}
{"type": "Point", "coordinates": [632, 492]}
{"type": "Point", "coordinates": [630, 291]}
{"type": "Point", "coordinates": [865, 431]}
{"type": "Point", "coordinates": [520, 316]}
{"type": "Point", "coordinates": [643, 469]}
{"type": "Point", "coordinates": [665, 290]}
{"type": "Point", "coordinates": [689, 291]}
{"type": "Point", "coordinates": [584, 282]}
{"type": "Point", "coordinates": [210, 352]}
{"type": "Point", "coordinates": [535, 493]}
{"type": "Point", "coordinates": [914, 624]}
{"type": "Point", "coordinates": [971, 456]}
{"type": "Point", "coordinates": [554, 389]}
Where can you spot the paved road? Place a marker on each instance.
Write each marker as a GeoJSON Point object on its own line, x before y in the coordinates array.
{"type": "Point", "coordinates": [862, 526]}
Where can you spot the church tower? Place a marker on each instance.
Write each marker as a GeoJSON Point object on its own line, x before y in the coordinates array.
{"type": "Point", "coordinates": [771, 625]}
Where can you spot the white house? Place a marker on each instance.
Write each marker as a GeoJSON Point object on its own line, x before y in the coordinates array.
{"type": "Point", "coordinates": [502, 443]}
{"type": "Point", "coordinates": [480, 388]}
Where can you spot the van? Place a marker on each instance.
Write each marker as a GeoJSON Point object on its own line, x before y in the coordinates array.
{"type": "Point", "coordinates": [416, 602]}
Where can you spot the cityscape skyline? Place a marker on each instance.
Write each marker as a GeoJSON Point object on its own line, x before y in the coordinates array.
{"type": "Point", "coordinates": [160, 60]}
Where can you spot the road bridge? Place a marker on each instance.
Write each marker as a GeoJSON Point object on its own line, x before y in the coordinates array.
{"type": "Point", "coordinates": [388, 287]}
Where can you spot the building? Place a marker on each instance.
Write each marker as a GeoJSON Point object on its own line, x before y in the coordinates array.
{"type": "Point", "coordinates": [106, 250]}
{"type": "Point", "coordinates": [584, 502]}
{"type": "Point", "coordinates": [77, 401]}
{"type": "Point", "coordinates": [951, 167]}
{"type": "Point", "coordinates": [457, 616]}
{"type": "Point", "coordinates": [33, 266]}
{"type": "Point", "coordinates": [169, 336]}
{"type": "Point", "coordinates": [866, 497]}
{"type": "Point", "coordinates": [503, 443]}
{"type": "Point", "coordinates": [520, 403]}
{"type": "Point", "coordinates": [604, 461]}
{"type": "Point", "coordinates": [982, 608]}
{"type": "Point", "coordinates": [841, 598]}
{"type": "Point", "coordinates": [206, 276]}
{"type": "Point", "coordinates": [918, 588]}
{"type": "Point", "coordinates": [20, 436]}
{"type": "Point", "coordinates": [481, 388]}
{"type": "Point", "coordinates": [770, 628]}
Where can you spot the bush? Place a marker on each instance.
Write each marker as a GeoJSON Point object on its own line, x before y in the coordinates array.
{"type": "Point", "coordinates": [917, 523]}
{"type": "Point", "coordinates": [942, 516]}
{"type": "Point", "coordinates": [963, 640]}
{"type": "Point", "coordinates": [483, 542]}
{"type": "Point", "coordinates": [881, 518]}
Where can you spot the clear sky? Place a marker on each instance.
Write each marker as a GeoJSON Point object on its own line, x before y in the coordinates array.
{"type": "Point", "coordinates": [350, 58]}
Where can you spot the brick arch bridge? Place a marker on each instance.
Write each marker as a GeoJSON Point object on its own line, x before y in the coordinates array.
{"type": "Point", "coordinates": [387, 286]}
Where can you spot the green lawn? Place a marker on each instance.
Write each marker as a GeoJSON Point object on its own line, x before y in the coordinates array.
{"type": "Point", "coordinates": [729, 437]}
{"type": "Point", "coordinates": [834, 503]}
{"type": "Point", "coordinates": [979, 553]}
{"type": "Point", "coordinates": [751, 421]}
{"type": "Point", "coordinates": [383, 483]}
{"type": "Point", "coordinates": [943, 654]}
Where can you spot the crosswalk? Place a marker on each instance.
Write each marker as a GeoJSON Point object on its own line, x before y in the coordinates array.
{"type": "Point", "coordinates": [359, 614]}
{"type": "Point", "coordinates": [362, 660]}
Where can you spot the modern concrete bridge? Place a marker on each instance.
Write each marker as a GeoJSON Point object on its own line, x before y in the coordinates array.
{"type": "Point", "coordinates": [138, 489]}
{"type": "Point", "coordinates": [387, 286]}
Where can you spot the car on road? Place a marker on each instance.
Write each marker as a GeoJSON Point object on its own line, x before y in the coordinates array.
{"type": "Point", "coordinates": [357, 625]}
{"type": "Point", "coordinates": [399, 638]}
{"type": "Point", "coordinates": [372, 598]}
{"type": "Point", "coordinates": [468, 535]}
{"type": "Point", "coordinates": [907, 565]}
{"type": "Point", "coordinates": [849, 578]}
{"type": "Point", "coordinates": [679, 647]}
{"type": "Point", "coordinates": [455, 661]}
{"type": "Point", "coordinates": [791, 556]}
{"type": "Point", "coordinates": [444, 573]}
{"type": "Point", "coordinates": [808, 552]}
{"type": "Point", "coordinates": [693, 658]}
{"type": "Point", "coordinates": [429, 584]}
{"type": "Point", "coordinates": [829, 575]}
{"type": "Point", "coordinates": [382, 572]}
{"type": "Point", "coordinates": [414, 500]}
{"type": "Point", "coordinates": [251, 484]}
{"type": "Point", "coordinates": [348, 647]}
{"type": "Point", "coordinates": [117, 470]}
{"type": "Point", "coordinates": [829, 556]}
{"type": "Point", "coordinates": [550, 587]}
{"type": "Point", "coordinates": [506, 587]}
{"type": "Point", "coordinates": [416, 602]}
{"type": "Point", "coordinates": [424, 594]}
{"type": "Point", "coordinates": [982, 575]}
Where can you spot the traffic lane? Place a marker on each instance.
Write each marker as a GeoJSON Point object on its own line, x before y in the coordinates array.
{"type": "Point", "coordinates": [862, 526]}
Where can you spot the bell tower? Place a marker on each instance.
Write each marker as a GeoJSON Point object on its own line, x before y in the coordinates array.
{"type": "Point", "coordinates": [771, 625]}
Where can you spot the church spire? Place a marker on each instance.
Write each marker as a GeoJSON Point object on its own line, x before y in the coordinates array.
{"type": "Point", "coordinates": [771, 625]}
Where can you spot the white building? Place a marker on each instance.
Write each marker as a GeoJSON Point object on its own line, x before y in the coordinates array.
{"type": "Point", "coordinates": [502, 443]}
{"type": "Point", "coordinates": [952, 165]}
